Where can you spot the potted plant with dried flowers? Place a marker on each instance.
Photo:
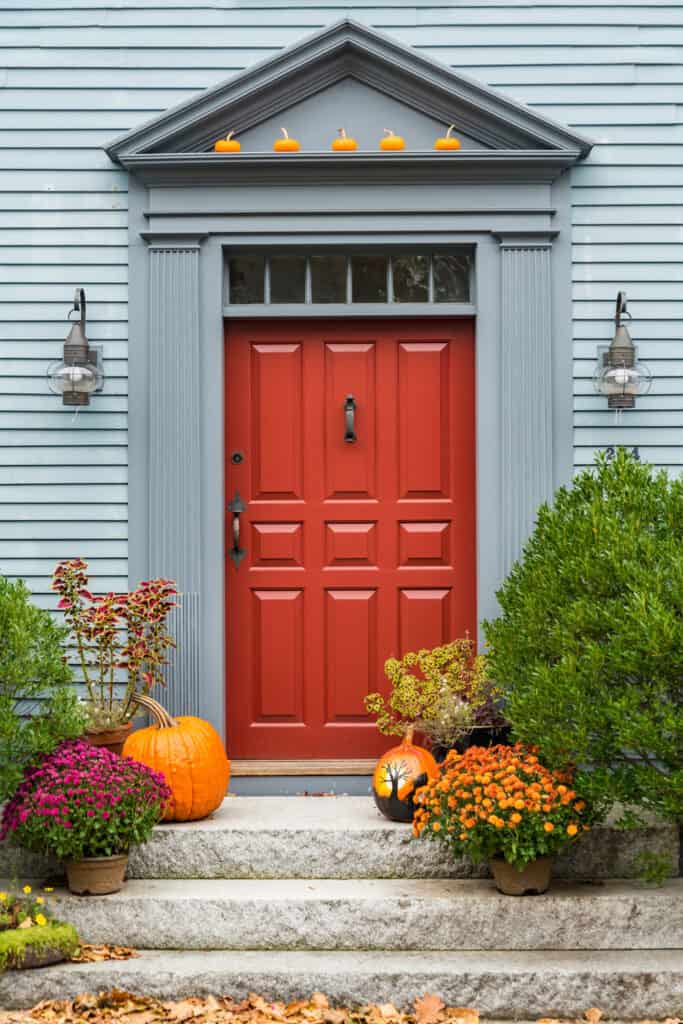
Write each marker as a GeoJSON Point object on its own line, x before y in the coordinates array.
{"type": "Point", "coordinates": [502, 805]}
{"type": "Point", "coordinates": [29, 934]}
{"type": "Point", "coordinates": [87, 807]}
{"type": "Point", "coordinates": [114, 633]}
{"type": "Point", "coordinates": [438, 692]}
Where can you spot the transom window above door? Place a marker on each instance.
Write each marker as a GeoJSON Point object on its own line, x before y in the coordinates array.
{"type": "Point", "coordinates": [348, 278]}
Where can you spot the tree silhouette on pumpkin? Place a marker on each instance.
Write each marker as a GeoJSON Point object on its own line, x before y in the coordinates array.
{"type": "Point", "coordinates": [394, 789]}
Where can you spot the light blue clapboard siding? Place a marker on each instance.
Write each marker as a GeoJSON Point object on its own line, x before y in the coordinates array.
{"type": "Point", "coordinates": [73, 75]}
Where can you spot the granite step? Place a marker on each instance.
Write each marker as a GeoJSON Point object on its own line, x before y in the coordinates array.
{"type": "Point", "coordinates": [381, 914]}
{"type": "Point", "coordinates": [339, 837]}
{"type": "Point", "coordinates": [501, 985]}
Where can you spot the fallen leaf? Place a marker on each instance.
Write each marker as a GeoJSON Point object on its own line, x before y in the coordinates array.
{"type": "Point", "coordinates": [463, 1014]}
{"type": "Point", "coordinates": [320, 1001]}
{"type": "Point", "coordinates": [428, 1009]}
{"type": "Point", "coordinates": [89, 954]}
{"type": "Point", "coordinates": [593, 1015]}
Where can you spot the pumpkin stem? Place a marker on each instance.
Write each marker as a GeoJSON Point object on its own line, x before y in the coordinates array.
{"type": "Point", "coordinates": [450, 129]}
{"type": "Point", "coordinates": [229, 136]}
{"type": "Point", "coordinates": [160, 714]}
{"type": "Point", "coordinates": [408, 738]}
{"type": "Point", "coordinates": [387, 131]}
{"type": "Point", "coordinates": [342, 132]}
{"type": "Point", "coordinates": [285, 132]}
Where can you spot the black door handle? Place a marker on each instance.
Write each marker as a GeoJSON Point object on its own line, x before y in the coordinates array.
{"type": "Point", "coordinates": [350, 419]}
{"type": "Point", "coordinates": [236, 506]}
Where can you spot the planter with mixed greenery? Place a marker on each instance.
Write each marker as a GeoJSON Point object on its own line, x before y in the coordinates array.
{"type": "Point", "coordinates": [588, 649]}
{"type": "Point", "coordinates": [115, 633]}
{"type": "Point", "coordinates": [87, 807]}
{"type": "Point", "coordinates": [500, 804]}
{"type": "Point", "coordinates": [444, 693]}
{"type": "Point", "coordinates": [38, 706]}
{"type": "Point", "coordinates": [29, 935]}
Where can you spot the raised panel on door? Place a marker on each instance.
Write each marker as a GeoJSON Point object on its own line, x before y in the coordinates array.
{"type": "Point", "coordinates": [350, 466]}
{"type": "Point", "coordinates": [355, 551]}
{"type": "Point", "coordinates": [277, 420]}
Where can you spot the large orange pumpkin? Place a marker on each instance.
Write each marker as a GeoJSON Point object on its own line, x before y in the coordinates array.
{"type": "Point", "coordinates": [398, 774]}
{"type": "Point", "coordinates": [190, 755]}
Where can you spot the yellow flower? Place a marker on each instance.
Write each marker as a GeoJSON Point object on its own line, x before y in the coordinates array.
{"type": "Point", "coordinates": [40, 900]}
{"type": "Point", "coordinates": [516, 818]}
{"type": "Point", "coordinates": [549, 827]}
{"type": "Point", "coordinates": [27, 890]}
{"type": "Point", "coordinates": [572, 830]}
{"type": "Point", "coordinates": [40, 919]}
{"type": "Point", "coordinates": [3, 897]}
{"type": "Point", "coordinates": [48, 888]}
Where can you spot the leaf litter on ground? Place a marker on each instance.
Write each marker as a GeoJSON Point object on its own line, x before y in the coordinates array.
{"type": "Point", "coordinates": [119, 1007]}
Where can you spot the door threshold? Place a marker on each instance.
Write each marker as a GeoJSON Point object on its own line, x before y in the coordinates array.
{"type": "Point", "coordinates": [328, 766]}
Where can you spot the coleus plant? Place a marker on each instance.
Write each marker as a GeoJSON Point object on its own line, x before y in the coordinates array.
{"type": "Point", "coordinates": [116, 632]}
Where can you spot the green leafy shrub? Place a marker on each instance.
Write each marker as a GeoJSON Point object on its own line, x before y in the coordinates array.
{"type": "Point", "coordinates": [38, 707]}
{"type": "Point", "coordinates": [588, 648]}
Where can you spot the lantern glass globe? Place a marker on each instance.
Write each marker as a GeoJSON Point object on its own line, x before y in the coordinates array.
{"type": "Point", "coordinates": [621, 380]}
{"type": "Point", "coordinates": [65, 378]}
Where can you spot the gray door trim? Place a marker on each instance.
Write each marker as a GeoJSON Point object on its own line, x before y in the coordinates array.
{"type": "Point", "coordinates": [523, 353]}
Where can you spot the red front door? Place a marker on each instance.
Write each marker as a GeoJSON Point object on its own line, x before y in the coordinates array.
{"type": "Point", "coordinates": [356, 550]}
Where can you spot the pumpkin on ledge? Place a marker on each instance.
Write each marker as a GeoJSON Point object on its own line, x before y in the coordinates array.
{"type": "Point", "coordinates": [190, 755]}
{"type": "Point", "coordinates": [399, 773]}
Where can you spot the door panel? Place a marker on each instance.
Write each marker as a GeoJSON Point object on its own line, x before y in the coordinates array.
{"type": "Point", "coordinates": [355, 552]}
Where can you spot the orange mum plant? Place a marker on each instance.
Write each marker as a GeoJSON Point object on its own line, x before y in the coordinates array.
{"type": "Point", "coordinates": [500, 802]}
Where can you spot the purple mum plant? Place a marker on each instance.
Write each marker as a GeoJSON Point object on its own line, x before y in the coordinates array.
{"type": "Point", "coordinates": [83, 801]}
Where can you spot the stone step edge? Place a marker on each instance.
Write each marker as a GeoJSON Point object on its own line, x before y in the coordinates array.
{"type": "Point", "coordinates": [501, 985]}
{"type": "Point", "coordinates": [383, 915]}
{"type": "Point", "coordinates": [212, 850]}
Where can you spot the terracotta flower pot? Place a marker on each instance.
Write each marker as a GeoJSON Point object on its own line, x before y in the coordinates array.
{"type": "Point", "coordinates": [532, 880]}
{"type": "Point", "coordinates": [96, 876]}
{"type": "Point", "coordinates": [112, 739]}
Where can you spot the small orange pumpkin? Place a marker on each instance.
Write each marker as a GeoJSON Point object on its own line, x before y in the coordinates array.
{"type": "Point", "coordinates": [398, 774]}
{"type": "Point", "coordinates": [448, 141]}
{"type": "Point", "coordinates": [190, 755]}
{"type": "Point", "coordinates": [391, 142]}
{"type": "Point", "coordinates": [227, 145]}
{"type": "Point", "coordinates": [344, 143]}
{"type": "Point", "coordinates": [285, 144]}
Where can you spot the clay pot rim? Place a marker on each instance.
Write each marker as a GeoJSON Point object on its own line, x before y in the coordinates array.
{"type": "Point", "coordinates": [96, 860]}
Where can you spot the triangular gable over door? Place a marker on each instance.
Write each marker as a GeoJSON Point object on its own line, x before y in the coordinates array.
{"type": "Point", "coordinates": [342, 74]}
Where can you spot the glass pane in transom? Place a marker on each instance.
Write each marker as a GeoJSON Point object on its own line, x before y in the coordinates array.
{"type": "Point", "coordinates": [247, 278]}
{"type": "Point", "coordinates": [328, 277]}
{"type": "Point", "coordinates": [288, 278]}
{"type": "Point", "coordinates": [452, 276]}
{"type": "Point", "coordinates": [369, 278]}
{"type": "Point", "coordinates": [411, 277]}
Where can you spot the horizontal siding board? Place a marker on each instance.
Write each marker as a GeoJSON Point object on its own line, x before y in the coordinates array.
{"type": "Point", "coordinates": [63, 512]}
{"type": "Point", "coordinates": [58, 531]}
{"type": "Point", "coordinates": [73, 75]}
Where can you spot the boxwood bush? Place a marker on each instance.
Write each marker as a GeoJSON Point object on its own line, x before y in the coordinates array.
{"type": "Point", "coordinates": [38, 706]}
{"type": "Point", "coordinates": [588, 648]}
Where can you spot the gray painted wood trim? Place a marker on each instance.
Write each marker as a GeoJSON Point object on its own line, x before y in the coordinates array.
{"type": "Point", "coordinates": [341, 49]}
{"type": "Point", "coordinates": [501, 326]}
{"type": "Point", "coordinates": [466, 167]}
{"type": "Point", "coordinates": [526, 427]}
{"type": "Point", "coordinates": [174, 534]}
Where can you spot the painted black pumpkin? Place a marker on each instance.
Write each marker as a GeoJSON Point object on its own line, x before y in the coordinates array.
{"type": "Point", "coordinates": [400, 772]}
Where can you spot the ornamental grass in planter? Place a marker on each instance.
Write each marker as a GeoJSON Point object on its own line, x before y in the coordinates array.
{"type": "Point", "coordinates": [87, 807]}
{"type": "Point", "coordinates": [29, 935]}
{"type": "Point", "coordinates": [500, 804]}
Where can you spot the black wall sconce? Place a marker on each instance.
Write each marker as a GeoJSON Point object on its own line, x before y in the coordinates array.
{"type": "Point", "coordinates": [78, 374]}
{"type": "Point", "coordinates": [619, 375]}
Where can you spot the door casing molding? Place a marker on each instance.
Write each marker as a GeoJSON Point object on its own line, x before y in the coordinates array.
{"type": "Point", "coordinates": [523, 371]}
